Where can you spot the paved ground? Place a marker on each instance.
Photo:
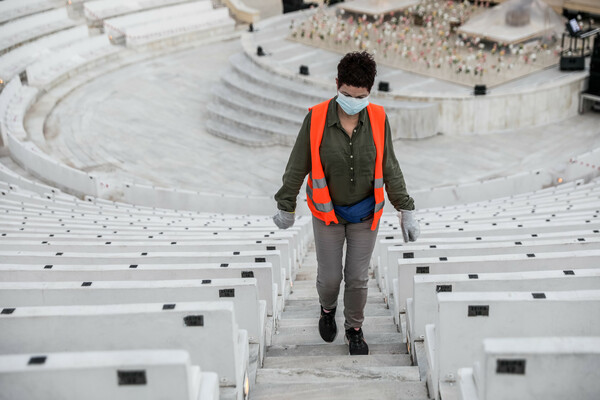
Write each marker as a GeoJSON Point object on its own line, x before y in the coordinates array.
{"type": "Point", "coordinates": [145, 123]}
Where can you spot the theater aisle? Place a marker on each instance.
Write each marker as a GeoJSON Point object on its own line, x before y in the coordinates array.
{"type": "Point", "coordinates": [300, 365]}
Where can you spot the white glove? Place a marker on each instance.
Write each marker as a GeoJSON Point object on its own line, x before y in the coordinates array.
{"type": "Point", "coordinates": [409, 225]}
{"type": "Point", "coordinates": [283, 219]}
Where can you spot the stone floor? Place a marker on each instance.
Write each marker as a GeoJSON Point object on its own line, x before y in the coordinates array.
{"type": "Point", "coordinates": [145, 123]}
{"type": "Point", "coordinates": [300, 365]}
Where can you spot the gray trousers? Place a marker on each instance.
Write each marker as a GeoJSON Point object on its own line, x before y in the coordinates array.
{"type": "Point", "coordinates": [329, 243]}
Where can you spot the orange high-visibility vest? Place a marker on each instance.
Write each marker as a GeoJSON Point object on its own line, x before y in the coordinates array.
{"type": "Point", "coordinates": [317, 193]}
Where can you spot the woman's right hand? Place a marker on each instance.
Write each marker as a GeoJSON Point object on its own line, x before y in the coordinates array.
{"type": "Point", "coordinates": [283, 219]}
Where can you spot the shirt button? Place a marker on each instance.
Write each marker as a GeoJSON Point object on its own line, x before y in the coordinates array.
{"type": "Point", "coordinates": [351, 179]}
{"type": "Point", "coordinates": [355, 131]}
{"type": "Point", "coordinates": [351, 168]}
{"type": "Point", "coordinates": [351, 156]}
{"type": "Point", "coordinates": [350, 143]}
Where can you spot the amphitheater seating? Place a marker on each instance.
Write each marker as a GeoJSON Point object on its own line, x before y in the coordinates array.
{"type": "Point", "coordinates": [241, 292]}
{"type": "Point", "coordinates": [501, 314]}
{"type": "Point", "coordinates": [421, 308]}
{"type": "Point", "coordinates": [53, 68]}
{"type": "Point", "coordinates": [97, 11]}
{"type": "Point", "coordinates": [14, 9]}
{"type": "Point", "coordinates": [116, 27]}
{"type": "Point", "coordinates": [26, 29]}
{"type": "Point", "coordinates": [207, 330]}
{"type": "Point", "coordinates": [16, 61]}
{"type": "Point", "coordinates": [208, 23]}
{"type": "Point", "coordinates": [553, 367]}
{"type": "Point", "coordinates": [122, 375]}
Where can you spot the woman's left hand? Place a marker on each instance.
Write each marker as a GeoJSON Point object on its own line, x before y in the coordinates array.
{"type": "Point", "coordinates": [409, 225]}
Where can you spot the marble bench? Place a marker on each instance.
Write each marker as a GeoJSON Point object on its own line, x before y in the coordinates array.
{"type": "Point", "coordinates": [402, 283]}
{"type": "Point", "coordinates": [26, 29]}
{"type": "Point", "coordinates": [421, 308]}
{"type": "Point", "coordinates": [16, 61]}
{"type": "Point", "coordinates": [241, 292]}
{"type": "Point", "coordinates": [97, 11]}
{"type": "Point", "coordinates": [136, 258]}
{"type": "Point", "coordinates": [485, 315]}
{"type": "Point", "coordinates": [207, 330]}
{"type": "Point", "coordinates": [550, 368]}
{"type": "Point", "coordinates": [118, 375]}
{"type": "Point", "coordinates": [262, 272]}
{"type": "Point", "coordinates": [204, 24]}
{"type": "Point", "coordinates": [116, 27]}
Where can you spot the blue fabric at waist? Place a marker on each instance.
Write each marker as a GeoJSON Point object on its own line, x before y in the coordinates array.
{"type": "Point", "coordinates": [358, 211]}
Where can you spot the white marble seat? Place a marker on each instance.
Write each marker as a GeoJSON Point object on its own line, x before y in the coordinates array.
{"type": "Point", "coordinates": [421, 308]}
{"type": "Point", "coordinates": [97, 11]}
{"type": "Point", "coordinates": [262, 272]}
{"type": "Point", "coordinates": [202, 24]}
{"type": "Point", "coordinates": [551, 368]}
{"type": "Point", "coordinates": [16, 61]}
{"type": "Point", "coordinates": [116, 27]}
{"type": "Point", "coordinates": [241, 292]}
{"type": "Point", "coordinates": [23, 30]}
{"type": "Point", "coordinates": [51, 69]}
{"type": "Point", "coordinates": [136, 258]}
{"type": "Point", "coordinates": [207, 330]}
{"type": "Point", "coordinates": [14, 9]}
{"type": "Point", "coordinates": [407, 269]}
{"type": "Point", "coordinates": [119, 375]}
{"type": "Point", "coordinates": [500, 314]}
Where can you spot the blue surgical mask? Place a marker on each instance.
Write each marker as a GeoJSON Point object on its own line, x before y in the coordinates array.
{"type": "Point", "coordinates": [351, 105]}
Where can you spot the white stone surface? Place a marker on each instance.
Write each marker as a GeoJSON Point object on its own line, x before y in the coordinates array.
{"type": "Point", "coordinates": [70, 376]}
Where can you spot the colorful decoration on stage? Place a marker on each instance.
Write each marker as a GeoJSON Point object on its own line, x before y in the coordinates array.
{"type": "Point", "coordinates": [424, 39]}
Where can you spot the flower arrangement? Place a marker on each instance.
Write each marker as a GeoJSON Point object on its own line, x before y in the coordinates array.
{"type": "Point", "coordinates": [432, 47]}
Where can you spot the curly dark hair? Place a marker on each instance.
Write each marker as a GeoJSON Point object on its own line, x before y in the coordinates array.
{"type": "Point", "coordinates": [357, 69]}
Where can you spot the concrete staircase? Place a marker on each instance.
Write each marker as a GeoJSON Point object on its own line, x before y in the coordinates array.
{"type": "Point", "coordinates": [300, 365]}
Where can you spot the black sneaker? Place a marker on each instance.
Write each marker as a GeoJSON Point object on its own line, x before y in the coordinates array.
{"type": "Point", "coordinates": [327, 325]}
{"type": "Point", "coordinates": [356, 342]}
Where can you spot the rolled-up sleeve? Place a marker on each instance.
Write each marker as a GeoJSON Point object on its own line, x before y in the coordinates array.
{"type": "Point", "coordinates": [297, 168]}
{"type": "Point", "coordinates": [392, 175]}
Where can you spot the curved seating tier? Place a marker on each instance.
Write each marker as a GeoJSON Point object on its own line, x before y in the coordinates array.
{"type": "Point", "coordinates": [499, 254]}
{"type": "Point", "coordinates": [11, 10]}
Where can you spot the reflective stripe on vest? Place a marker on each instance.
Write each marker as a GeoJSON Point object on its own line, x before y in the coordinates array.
{"type": "Point", "coordinates": [317, 193]}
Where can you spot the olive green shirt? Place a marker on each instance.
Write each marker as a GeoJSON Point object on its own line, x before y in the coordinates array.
{"type": "Point", "coordinates": [348, 164]}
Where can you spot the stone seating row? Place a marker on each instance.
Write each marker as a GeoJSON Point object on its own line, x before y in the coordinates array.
{"type": "Point", "coordinates": [175, 30]}
{"type": "Point", "coordinates": [117, 27]}
{"type": "Point", "coordinates": [26, 29]}
{"type": "Point", "coordinates": [206, 330]}
{"type": "Point", "coordinates": [52, 69]}
{"type": "Point", "coordinates": [495, 315]}
{"type": "Point", "coordinates": [97, 11]}
{"type": "Point", "coordinates": [241, 292]}
{"type": "Point", "coordinates": [119, 375]}
{"type": "Point", "coordinates": [553, 367]}
{"type": "Point", "coordinates": [13, 9]}
{"type": "Point", "coordinates": [16, 61]}
{"type": "Point", "coordinates": [421, 307]}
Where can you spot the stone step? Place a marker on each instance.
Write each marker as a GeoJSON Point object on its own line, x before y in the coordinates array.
{"type": "Point", "coordinates": [363, 390]}
{"type": "Point", "coordinates": [306, 303]}
{"type": "Point", "coordinates": [351, 373]}
{"type": "Point", "coordinates": [344, 362]}
{"type": "Point", "coordinates": [226, 95]}
{"type": "Point", "coordinates": [370, 310]}
{"type": "Point", "coordinates": [372, 296]}
{"type": "Point", "coordinates": [308, 284]}
{"type": "Point", "coordinates": [306, 322]}
{"type": "Point", "coordinates": [293, 350]}
{"type": "Point", "coordinates": [225, 130]}
{"type": "Point", "coordinates": [300, 336]}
